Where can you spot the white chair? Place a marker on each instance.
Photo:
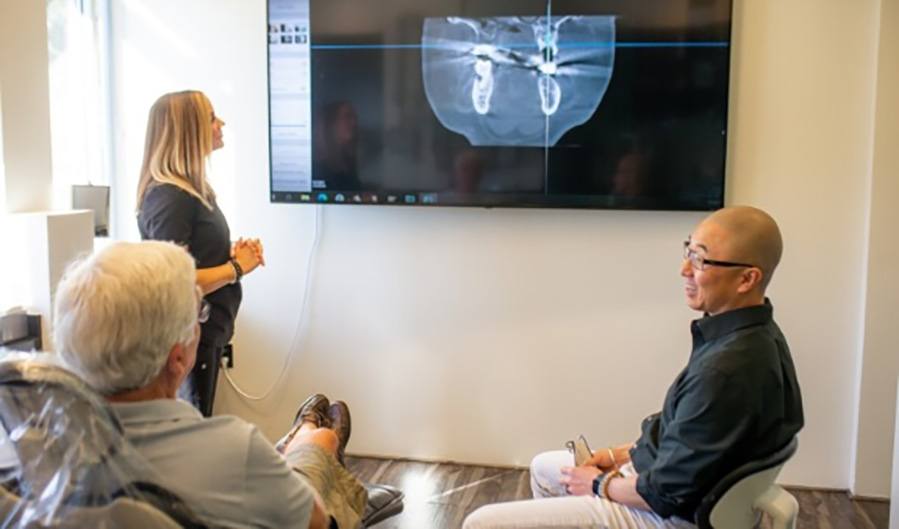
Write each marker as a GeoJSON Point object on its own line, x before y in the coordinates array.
{"type": "Point", "coordinates": [738, 500]}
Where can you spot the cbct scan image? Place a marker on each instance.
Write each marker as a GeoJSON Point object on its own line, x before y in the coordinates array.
{"type": "Point", "coordinates": [522, 81]}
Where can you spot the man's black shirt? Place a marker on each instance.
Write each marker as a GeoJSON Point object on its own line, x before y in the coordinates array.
{"type": "Point", "coordinates": [736, 401]}
{"type": "Point", "coordinates": [169, 213]}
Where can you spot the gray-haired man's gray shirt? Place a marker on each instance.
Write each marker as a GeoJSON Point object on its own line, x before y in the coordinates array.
{"type": "Point", "coordinates": [222, 467]}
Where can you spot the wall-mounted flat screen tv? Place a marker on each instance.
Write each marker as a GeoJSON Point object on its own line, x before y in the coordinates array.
{"type": "Point", "coordinates": [550, 103]}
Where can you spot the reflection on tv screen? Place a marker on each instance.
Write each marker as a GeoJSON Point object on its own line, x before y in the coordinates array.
{"type": "Point", "coordinates": [552, 103]}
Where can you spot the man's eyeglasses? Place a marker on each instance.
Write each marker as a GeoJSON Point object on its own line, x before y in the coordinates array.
{"type": "Point", "coordinates": [699, 262]}
{"type": "Point", "coordinates": [203, 314]}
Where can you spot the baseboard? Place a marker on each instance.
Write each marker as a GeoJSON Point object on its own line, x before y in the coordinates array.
{"type": "Point", "coordinates": [809, 488]}
{"type": "Point", "coordinates": [879, 499]}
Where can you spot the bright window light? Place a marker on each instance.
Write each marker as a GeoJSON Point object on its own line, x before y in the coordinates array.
{"type": "Point", "coordinates": [79, 95]}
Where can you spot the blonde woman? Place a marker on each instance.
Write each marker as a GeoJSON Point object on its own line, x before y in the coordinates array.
{"type": "Point", "coordinates": [176, 203]}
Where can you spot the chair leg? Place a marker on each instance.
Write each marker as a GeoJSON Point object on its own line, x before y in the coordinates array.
{"type": "Point", "coordinates": [780, 505]}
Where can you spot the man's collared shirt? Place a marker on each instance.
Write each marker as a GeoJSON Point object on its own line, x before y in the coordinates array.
{"type": "Point", "coordinates": [222, 467]}
{"type": "Point", "coordinates": [736, 401]}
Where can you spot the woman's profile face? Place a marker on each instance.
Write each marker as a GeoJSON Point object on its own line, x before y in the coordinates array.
{"type": "Point", "coordinates": [217, 140]}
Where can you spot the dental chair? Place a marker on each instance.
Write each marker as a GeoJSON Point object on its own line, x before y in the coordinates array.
{"type": "Point", "coordinates": [66, 461]}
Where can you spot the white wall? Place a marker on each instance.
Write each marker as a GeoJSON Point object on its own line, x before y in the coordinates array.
{"type": "Point", "coordinates": [24, 146]}
{"type": "Point", "coordinates": [880, 358]}
{"type": "Point", "coordinates": [487, 335]}
{"type": "Point", "coordinates": [894, 497]}
{"type": "Point", "coordinates": [25, 105]}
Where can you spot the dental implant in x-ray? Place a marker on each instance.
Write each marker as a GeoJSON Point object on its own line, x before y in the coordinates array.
{"type": "Point", "coordinates": [522, 81]}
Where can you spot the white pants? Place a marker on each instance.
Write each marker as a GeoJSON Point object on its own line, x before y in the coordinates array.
{"type": "Point", "coordinates": [552, 508]}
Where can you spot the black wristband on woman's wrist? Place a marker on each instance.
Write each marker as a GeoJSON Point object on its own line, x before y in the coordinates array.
{"type": "Point", "coordinates": [238, 271]}
{"type": "Point", "coordinates": [597, 484]}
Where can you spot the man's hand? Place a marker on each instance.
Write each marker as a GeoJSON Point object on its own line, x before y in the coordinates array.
{"type": "Point", "coordinates": [603, 458]}
{"type": "Point", "coordinates": [600, 460]}
{"type": "Point", "coordinates": [578, 481]}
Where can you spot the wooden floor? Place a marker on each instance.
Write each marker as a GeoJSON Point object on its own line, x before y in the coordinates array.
{"type": "Point", "coordinates": [440, 495]}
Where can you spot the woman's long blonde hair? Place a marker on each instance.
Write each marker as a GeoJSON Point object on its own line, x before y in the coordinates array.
{"type": "Point", "coordinates": [178, 145]}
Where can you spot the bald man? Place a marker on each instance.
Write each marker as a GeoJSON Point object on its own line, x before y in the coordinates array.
{"type": "Point", "coordinates": [737, 400]}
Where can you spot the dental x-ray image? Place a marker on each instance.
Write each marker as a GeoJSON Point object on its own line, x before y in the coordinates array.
{"type": "Point", "coordinates": [522, 81]}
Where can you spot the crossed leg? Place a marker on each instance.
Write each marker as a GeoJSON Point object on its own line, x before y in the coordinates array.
{"type": "Point", "coordinates": [312, 451]}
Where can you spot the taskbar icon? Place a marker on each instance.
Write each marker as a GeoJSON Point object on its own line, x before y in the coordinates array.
{"type": "Point", "coordinates": [412, 199]}
{"type": "Point", "coordinates": [324, 197]}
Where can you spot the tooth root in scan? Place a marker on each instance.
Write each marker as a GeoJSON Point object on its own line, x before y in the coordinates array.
{"type": "Point", "coordinates": [516, 81]}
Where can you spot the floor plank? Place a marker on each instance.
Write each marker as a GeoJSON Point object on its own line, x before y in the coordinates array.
{"type": "Point", "coordinates": [877, 511]}
{"type": "Point", "coordinates": [441, 495]}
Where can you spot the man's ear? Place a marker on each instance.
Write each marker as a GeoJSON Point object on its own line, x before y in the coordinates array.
{"type": "Point", "coordinates": [178, 361]}
{"type": "Point", "coordinates": [750, 279]}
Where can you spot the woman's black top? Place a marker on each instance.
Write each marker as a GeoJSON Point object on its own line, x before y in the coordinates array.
{"type": "Point", "coordinates": [169, 213]}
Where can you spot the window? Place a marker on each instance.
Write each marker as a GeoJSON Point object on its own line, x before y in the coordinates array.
{"type": "Point", "coordinates": [81, 139]}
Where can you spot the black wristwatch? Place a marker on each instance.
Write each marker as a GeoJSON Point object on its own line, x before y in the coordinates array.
{"type": "Point", "coordinates": [597, 484]}
{"type": "Point", "coordinates": [238, 271]}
